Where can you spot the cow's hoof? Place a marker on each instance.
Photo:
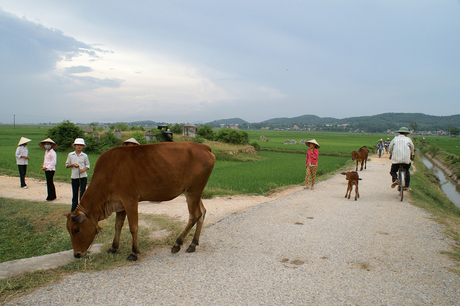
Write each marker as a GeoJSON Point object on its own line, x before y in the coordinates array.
{"type": "Point", "coordinates": [175, 249]}
{"type": "Point", "coordinates": [111, 251]}
{"type": "Point", "coordinates": [191, 249]}
{"type": "Point", "coordinates": [132, 257]}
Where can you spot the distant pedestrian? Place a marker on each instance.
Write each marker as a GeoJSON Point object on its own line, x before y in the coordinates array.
{"type": "Point", "coordinates": [22, 159]}
{"type": "Point", "coordinates": [49, 166]}
{"type": "Point", "coordinates": [312, 163]}
{"type": "Point", "coordinates": [79, 163]}
{"type": "Point", "coordinates": [130, 142]}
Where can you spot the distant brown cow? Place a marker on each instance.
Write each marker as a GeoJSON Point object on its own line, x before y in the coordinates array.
{"type": "Point", "coordinates": [360, 156]}
{"type": "Point", "coordinates": [123, 176]}
{"type": "Point", "coordinates": [352, 177]}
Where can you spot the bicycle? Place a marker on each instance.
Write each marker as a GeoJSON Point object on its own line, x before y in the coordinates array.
{"type": "Point", "coordinates": [379, 151]}
{"type": "Point", "coordinates": [401, 184]}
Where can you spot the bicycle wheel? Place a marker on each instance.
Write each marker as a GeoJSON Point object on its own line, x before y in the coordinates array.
{"type": "Point", "coordinates": [401, 184]}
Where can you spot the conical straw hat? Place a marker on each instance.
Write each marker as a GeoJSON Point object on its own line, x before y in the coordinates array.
{"type": "Point", "coordinates": [131, 140]}
{"type": "Point", "coordinates": [313, 141]}
{"type": "Point", "coordinates": [23, 140]}
{"type": "Point", "coordinates": [42, 143]}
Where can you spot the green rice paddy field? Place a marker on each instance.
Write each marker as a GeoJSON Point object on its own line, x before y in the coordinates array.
{"type": "Point", "coordinates": [448, 144]}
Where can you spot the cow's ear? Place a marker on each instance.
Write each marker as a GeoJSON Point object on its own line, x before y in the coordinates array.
{"type": "Point", "coordinates": [79, 218]}
{"type": "Point", "coordinates": [360, 179]}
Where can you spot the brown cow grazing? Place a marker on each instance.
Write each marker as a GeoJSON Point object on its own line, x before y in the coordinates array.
{"type": "Point", "coordinates": [352, 177]}
{"type": "Point", "coordinates": [360, 156]}
{"type": "Point", "coordinates": [123, 176]}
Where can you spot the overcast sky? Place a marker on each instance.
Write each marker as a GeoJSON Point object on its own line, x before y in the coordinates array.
{"type": "Point", "coordinates": [199, 61]}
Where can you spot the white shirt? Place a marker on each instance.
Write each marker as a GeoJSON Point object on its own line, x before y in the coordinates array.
{"type": "Point", "coordinates": [82, 161]}
{"type": "Point", "coordinates": [22, 151]}
{"type": "Point", "coordinates": [401, 149]}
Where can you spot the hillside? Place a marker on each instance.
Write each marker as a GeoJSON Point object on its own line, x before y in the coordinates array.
{"type": "Point", "coordinates": [376, 123]}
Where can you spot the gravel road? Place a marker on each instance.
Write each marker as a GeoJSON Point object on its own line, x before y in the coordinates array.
{"type": "Point", "coordinates": [313, 247]}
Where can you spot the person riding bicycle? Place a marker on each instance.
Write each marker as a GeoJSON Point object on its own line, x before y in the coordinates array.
{"type": "Point", "coordinates": [380, 147]}
{"type": "Point", "coordinates": [387, 144]}
{"type": "Point", "coordinates": [402, 152]}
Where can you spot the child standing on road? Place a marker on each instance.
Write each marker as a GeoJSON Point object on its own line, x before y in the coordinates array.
{"type": "Point", "coordinates": [79, 163]}
{"type": "Point", "coordinates": [312, 163]}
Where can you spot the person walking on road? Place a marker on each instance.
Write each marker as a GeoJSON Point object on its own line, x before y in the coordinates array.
{"type": "Point", "coordinates": [402, 152]}
{"type": "Point", "coordinates": [49, 166]}
{"type": "Point", "coordinates": [22, 159]}
{"type": "Point", "coordinates": [79, 163]}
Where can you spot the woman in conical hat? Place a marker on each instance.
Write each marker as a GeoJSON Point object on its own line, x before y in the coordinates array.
{"type": "Point", "coordinates": [49, 166]}
{"type": "Point", "coordinates": [130, 142]}
{"type": "Point", "coordinates": [312, 163]}
{"type": "Point", "coordinates": [22, 159]}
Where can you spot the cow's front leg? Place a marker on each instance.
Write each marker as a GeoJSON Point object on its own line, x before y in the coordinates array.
{"type": "Point", "coordinates": [133, 220]}
{"type": "Point", "coordinates": [120, 220]}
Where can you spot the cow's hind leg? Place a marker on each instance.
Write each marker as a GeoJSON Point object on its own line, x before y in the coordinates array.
{"type": "Point", "coordinates": [120, 220]}
{"type": "Point", "coordinates": [197, 213]}
{"type": "Point", "coordinates": [133, 219]}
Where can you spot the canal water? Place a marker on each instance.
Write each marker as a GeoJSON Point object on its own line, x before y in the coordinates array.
{"type": "Point", "coordinates": [451, 190]}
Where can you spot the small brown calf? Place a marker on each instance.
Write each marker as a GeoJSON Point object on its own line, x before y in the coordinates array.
{"type": "Point", "coordinates": [360, 156]}
{"type": "Point", "coordinates": [352, 177]}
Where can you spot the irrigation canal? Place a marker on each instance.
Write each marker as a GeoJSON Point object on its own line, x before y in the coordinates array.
{"type": "Point", "coordinates": [451, 190]}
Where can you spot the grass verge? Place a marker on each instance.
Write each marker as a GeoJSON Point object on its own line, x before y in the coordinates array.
{"type": "Point", "coordinates": [34, 228]}
{"type": "Point", "coordinates": [427, 194]}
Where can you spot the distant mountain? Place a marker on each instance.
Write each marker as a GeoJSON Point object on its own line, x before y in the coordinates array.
{"type": "Point", "coordinates": [376, 123]}
{"type": "Point", "coordinates": [232, 121]}
{"type": "Point", "coordinates": [299, 121]}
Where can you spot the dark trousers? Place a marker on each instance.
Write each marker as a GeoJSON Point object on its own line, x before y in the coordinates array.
{"type": "Point", "coordinates": [22, 174]}
{"type": "Point", "coordinates": [79, 183]}
{"type": "Point", "coordinates": [50, 185]}
{"type": "Point", "coordinates": [394, 173]}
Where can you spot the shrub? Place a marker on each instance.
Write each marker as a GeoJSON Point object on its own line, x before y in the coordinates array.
{"type": "Point", "coordinates": [256, 146]}
{"type": "Point", "coordinates": [232, 136]}
{"type": "Point", "coordinates": [64, 134]}
{"type": "Point", "coordinates": [139, 136]}
{"type": "Point", "coordinates": [177, 128]}
{"type": "Point", "coordinates": [108, 141]}
{"type": "Point", "coordinates": [206, 132]}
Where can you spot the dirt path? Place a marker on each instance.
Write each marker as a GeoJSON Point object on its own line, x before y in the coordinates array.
{"type": "Point", "coordinates": [217, 208]}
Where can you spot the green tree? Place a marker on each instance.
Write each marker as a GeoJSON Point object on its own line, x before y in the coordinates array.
{"type": "Point", "coordinates": [177, 128]}
{"type": "Point", "coordinates": [453, 131]}
{"type": "Point", "coordinates": [414, 126]}
{"type": "Point", "coordinates": [64, 134]}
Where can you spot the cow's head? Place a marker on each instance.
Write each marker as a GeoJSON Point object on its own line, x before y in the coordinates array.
{"type": "Point", "coordinates": [354, 155]}
{"type": "Point", "coordinates": [82, 232]}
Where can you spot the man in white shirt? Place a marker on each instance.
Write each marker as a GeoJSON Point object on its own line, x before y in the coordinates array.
{"type": "Point", "coordinates": [402, 152]}
{"type": "Point", "coordinates": [79, 163]}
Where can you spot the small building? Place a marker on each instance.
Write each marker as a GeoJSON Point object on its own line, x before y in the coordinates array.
{"type": "Point", "coordinates": [189, 130]}
{"type": "Point", "coordinates": [149, 136]}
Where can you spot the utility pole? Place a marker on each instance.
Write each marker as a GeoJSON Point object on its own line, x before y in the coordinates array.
{"type": "Point", "coordinates": [14, 122]}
